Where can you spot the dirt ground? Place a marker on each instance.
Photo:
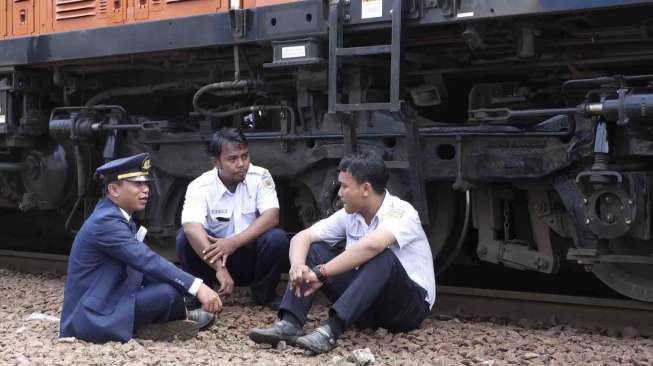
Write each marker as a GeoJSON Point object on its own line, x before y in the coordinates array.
{"type": "Point", "coordinates": [441, 342]}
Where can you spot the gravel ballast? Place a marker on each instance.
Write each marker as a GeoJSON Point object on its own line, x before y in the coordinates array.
{"type": "Point", "coordinates": [29, 336]}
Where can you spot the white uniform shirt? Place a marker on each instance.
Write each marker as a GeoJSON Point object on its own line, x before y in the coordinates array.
{"type": "Point", "coordinates": [401, 219]}
{"type": "Point", "coordinates": [223, 213]}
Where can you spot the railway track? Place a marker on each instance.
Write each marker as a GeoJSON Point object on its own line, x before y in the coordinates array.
{"type": "Point", "coordinates": [463, 302]}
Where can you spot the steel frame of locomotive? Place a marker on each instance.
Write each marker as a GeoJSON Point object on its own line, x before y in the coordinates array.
{"type": "Point", "coordinates": [529, 121]}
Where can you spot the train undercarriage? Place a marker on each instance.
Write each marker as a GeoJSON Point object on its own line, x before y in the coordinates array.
{"type": "Point", "coordinates": [533, 130]}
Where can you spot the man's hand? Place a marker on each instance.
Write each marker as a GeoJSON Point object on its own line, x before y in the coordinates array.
{"type": "Point", "coordinates": [219, 248]}
{"type": "Point", "coordinates": [226, 282]}
{"type": "Point", "coordinates": [209, 299]}
{"type": "Point", "coordinates": [311, 281]}
{"type": "Point", "coordinates": [296, 277]}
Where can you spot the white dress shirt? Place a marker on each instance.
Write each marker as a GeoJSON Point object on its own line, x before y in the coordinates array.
{"type": "Point", "coordinates": [402, 220]}
{"type": "Point", "coordinates": [223, 213]}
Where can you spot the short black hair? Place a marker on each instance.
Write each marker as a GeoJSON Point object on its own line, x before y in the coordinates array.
{"type": "Point", "coordinates": [223, 136]}
{"type": "Point", "coordinates": [366, 167]}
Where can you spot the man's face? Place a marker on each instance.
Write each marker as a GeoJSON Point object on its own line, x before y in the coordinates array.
{"type": "Point", "coordinates": [130, 196]}
{"type": "Point", "coordinates": [233, 162]}
{"type": "Point", "coordinates": [351, 193]}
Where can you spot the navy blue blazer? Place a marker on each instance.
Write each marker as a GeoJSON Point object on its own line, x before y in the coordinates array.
{"type": "Point", "coordinates": [105, 270]}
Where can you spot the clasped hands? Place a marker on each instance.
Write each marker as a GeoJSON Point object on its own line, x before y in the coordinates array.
{"type": "Point", "coordinates": [301, 277]}
{"type": "Point", "coordinates": [220, 249]}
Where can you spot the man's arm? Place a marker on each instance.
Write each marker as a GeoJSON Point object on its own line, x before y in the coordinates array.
{"type": "Point", "coordinates": [199, 240]}
{"type": "Point", "coordinates": [360, 253]}
{"type": "Point", "coordinates": [224, 247]}
{"type": "Point", "coordinates": [299, 246]}
{"type": "Point", "coordinates": [365, 249]}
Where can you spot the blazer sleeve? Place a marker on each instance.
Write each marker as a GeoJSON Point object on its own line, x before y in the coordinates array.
{"type": "Point", "coordinates": [115, 239]}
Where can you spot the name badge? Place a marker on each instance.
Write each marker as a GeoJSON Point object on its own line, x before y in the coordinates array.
{"type": "Point", "coordinates": [140, 234]}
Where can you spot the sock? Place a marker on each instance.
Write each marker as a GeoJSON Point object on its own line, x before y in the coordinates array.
{"type": "Point", "coordinates": [292, 319]}
{"type": "Point", "coordinates": [336, 324]}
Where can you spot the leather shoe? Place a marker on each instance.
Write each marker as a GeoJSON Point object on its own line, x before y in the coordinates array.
{"type": "Point", "coordinates": [281, 331]}
{"type": "Point", "coordinates": [321, 340]}
{"type": "Point", "coordinates": [204, 319]}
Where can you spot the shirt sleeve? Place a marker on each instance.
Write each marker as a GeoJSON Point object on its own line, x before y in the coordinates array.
{"type": "Point", "coordinates": [332, 229]}
{"type": "Point", "coordinates": [266, 197]}
{"type": "Point", "coordinates": [404, 224]}
{"type": "Point", "coordinates": [195, 208]}
{"type": "Point", "coordinates": [195, 286]}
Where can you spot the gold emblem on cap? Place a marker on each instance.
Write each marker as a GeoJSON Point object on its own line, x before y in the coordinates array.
{"type": "Point", "coordinates": [147, 164]}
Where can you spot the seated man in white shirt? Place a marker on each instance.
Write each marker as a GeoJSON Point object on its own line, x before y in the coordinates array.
{"type": "Point", "coordinates": [230, 219]}
{"type": "Point", "coordinates": [384, 277]}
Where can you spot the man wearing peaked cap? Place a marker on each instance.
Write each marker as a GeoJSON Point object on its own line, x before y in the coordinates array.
{"type": "Point", "coordinates": [117, 287]}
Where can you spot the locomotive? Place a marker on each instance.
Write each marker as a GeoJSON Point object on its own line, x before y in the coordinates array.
{"type": "Point", "coordinates": [528, 123]}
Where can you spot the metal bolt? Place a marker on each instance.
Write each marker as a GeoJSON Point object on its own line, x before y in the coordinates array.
{"type": "Point", "coordinates": [347, 17]}
{"type": "Point", "coordinates": [609, 218]}
{"type": "Point", "coordinates": [628, 221]}
{"type": "Point", "coordinates": [347, 2]}
{"type": "Point", "coordinates": [584, 201]}
{"type": "Point", "coordinates": [390, 11]}
{"type": "Point", "coordinates": [608, 199]}
{"type": "Point", "coordinates": [587, 221]}
{"type": "Point", "coordinates": [630, 202]}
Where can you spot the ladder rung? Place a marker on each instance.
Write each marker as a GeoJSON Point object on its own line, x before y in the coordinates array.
{"type": "Point", "coordinates": [365, 107]}
{"type": "Point", "coordinates": [362, 51]}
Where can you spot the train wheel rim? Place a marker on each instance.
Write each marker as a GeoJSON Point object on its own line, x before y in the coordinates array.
{"type": "Point", "coordinates": [632, 280]}
{"type": "Point", "coordinates": [449, 216]}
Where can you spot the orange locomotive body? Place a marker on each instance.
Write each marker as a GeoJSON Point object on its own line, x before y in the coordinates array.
{"type": "Point", "coordinates": [35, 17]}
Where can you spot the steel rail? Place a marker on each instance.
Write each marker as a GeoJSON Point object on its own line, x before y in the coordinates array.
{"type": "Point", "coordinates": [549, 309]}
{"type": "Point", "coordinates": [33, 262]}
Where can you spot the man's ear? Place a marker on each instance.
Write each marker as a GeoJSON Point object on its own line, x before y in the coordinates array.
{"type": "Point", "coordinates": [215, 161]}
{"type": "Point", "coordinates": [367, 189]}
{"type": "Point", "coordinates": [113, 190]}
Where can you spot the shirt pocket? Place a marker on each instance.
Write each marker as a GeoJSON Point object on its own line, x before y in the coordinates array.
{"type": "Point", "coordinates": [248, 210]}
{"type": "Point", "coordinates": [218, 226]}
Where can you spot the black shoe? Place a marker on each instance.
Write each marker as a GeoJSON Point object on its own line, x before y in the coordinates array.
{"type": "Point", "coordinates": [204, 319]}
{"type": "Point", "coordinates": [177, 329]}
{"type": "Point", "coordinates": [192, 302]}
{"type": "Point", "coordinates": [281, 331]}
{"type": "Point", "coordinates": [321, 340]}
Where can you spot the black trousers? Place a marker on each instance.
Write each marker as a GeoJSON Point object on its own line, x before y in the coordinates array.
{"type": "Point", "coordinates": [258, 264]}
{"type": "Point", "coordinates": [377, 294]}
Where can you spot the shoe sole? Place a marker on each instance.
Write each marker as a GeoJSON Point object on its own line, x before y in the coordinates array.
{"type": "Point", "coordinates": [272, 340]}
{"type": "Point", "coordinates": [309, 347]}
{"type": "Point", "coordinates": [182, 330]}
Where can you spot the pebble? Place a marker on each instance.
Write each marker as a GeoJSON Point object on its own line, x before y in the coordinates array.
{"type": "Point", "coordinates": [440, 341]}
{"type": "Point", "coordinates": [362, 357]}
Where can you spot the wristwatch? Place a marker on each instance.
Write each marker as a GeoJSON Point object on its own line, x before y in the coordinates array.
{"type": "Point", "coordinates": [318, 273]}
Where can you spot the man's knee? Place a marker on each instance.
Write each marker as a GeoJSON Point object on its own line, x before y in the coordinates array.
{"type": "Point", "coordinates": [276, 240]}
{"type": "Point", "coordinates": [318, 253]}
{"type": "Point", "coordinates": [386, 260]}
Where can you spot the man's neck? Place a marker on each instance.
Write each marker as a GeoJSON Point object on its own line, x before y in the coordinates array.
{"type": "Point", "coordinates": [231, 186]}
{"type": "Point", "coordinates": [375, 202]}
{"type": "Point", "coordinates": [129, 212]}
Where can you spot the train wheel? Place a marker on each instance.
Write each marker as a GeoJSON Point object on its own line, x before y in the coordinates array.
{"type": "Point", "coordinates": [629, 279]}
{"type": "Point", "coordinates": [449, 216]}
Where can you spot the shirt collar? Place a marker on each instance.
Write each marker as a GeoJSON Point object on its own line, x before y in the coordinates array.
{"type": "Point", "coordinates": [221, 188]}
{"type": "Point", "coordinates": [382, 209]}
{"type": "Point", "coordinates": [124, 213]}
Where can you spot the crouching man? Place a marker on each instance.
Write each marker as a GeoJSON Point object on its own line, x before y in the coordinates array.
{"type": "Point", "coordinates": [384, 278]}
{"type": "Point", "coordinates": [230, 218]}
{"type": "Point", "coordinates": [116, 285]}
